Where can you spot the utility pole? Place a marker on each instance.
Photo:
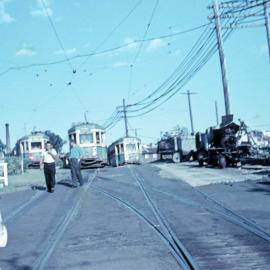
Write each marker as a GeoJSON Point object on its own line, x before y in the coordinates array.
{"type": "Point", "coordinates": [266, 16]}
{"type": "Point", "coordinates": [221, 57]}
{"type": "Point", "coordinates": [125, 116]}
{"type": "Point", "coordinates": [188, 93]}
{"type": "Point", "coordinates": [217, 117]}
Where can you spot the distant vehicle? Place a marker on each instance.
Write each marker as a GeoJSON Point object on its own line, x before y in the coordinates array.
{"type": "Point", "coordinates": [31, 147]}
{"type": "Point", "coordinates": [223, 146]}
{"type": "Point", "coordinates": [126, 150]}
{"type": "Point", "coordinates": [177, 148]}
{"type": "Point", "coordinates": [91, 138]}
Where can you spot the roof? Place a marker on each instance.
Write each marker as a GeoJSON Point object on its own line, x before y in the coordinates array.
{"type": "Point", "coordinates": [89, 126]}
{"type": "Point", "coordinates": [34, 135]}
{"type": "Point", "coordinates": [122, 139]}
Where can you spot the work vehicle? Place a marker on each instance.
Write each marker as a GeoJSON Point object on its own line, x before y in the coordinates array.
{"type": "Point", "coordinates": [31, 147]}
{"type": "Point", "coordinates": [223, 145]}
{"type": "Point", "coordinates": [177, 148]}
{"type": "Point", "coordinates": [126, 150]}
{"type": "Point", "coordinates": [90, 137]}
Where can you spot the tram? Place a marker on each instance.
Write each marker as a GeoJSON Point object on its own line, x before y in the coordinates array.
{"type": "Point", "coordinates": [91, 139]}
{"type": "Point", "coordinates": [31, 147]}
{"type": "Point", "coordinates": [126, 150]}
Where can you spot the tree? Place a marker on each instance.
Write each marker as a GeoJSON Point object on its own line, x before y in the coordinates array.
{"type": "Point", "coordinates": [2, 146]}
{"type": "Point", "coordinates": [55, 140]}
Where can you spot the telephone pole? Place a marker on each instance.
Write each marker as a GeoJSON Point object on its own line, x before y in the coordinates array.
{"type": "Point", "coordinates": [221, 57]}
{"type": "Point", "coordinates": [266, 16]}
{"type": "Point", "coordinates": [188, 93]}
{"type": "Point", "coordinates": [217, 117]}
{"type": "Point", "coordinates": [125, 116]}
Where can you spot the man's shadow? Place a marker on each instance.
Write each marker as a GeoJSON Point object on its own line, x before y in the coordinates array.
{"type": "Point", "coordinates": [65, 183]}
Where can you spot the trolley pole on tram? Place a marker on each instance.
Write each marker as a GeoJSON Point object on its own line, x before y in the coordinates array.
{"type": "Point", "coordinates": [125, 116]}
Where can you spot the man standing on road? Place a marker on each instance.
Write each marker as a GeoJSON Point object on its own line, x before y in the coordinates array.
{"type": "Point", "coordinates": [47, 163]}
{"type": "Point", "coordinates": [74, 162]}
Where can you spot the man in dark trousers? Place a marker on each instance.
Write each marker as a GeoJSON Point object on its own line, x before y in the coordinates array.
{"type": "Point", "coordinates": [74, 162]}
{"type": "Point", "coordinates": [47, 163]}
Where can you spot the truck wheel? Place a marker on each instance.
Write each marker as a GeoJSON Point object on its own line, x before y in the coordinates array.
{"type": "Point", "coordinates": [176, 158]}
{"type": "Point", "coordinates": [222, 162]}
{"type": "Point", "coordinates": [200, 158]}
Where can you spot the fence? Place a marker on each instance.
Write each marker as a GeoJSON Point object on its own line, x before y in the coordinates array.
{"type": "Point", "coordinates": [3, 174]}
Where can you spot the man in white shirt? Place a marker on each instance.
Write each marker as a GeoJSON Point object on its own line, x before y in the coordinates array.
{"type": "Point", "coordinates": [47, 163]}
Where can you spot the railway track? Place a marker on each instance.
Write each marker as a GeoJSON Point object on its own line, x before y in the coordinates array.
{"type": "Point", "coordinates": [216, 208]}
{"type": "Point", "coordinates": [16, 212]}
{"type": "Point", "coordinates": [54, 239]}
{"type": "Point", "coordinates": [160, 225]}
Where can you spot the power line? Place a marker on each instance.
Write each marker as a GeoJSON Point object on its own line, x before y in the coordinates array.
{"type": "Point", "coordinates": [45, 8]}
{"type": "Point", "coordinates": [112, 32]}
{"type": "Point", "coordinates": [105, 51]}
{"type": "Point", "coordinates": [141, 46]}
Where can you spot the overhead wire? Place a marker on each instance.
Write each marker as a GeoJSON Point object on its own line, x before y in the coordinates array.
{"type": "Point", "coordinates": [111, 32]}
{"type": "Point", "coordinates": [45, 9]}
{"type": "Point", "coordinates": [203, 60]}
{"type": "Point", "coordinates": [105, 51]}
{"type": "Point", "coordinates": [141, 46]}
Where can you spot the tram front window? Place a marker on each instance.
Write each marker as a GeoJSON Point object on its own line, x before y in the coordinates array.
{"type": "Point", "coordinates": [131, 148]}
{"type": "Point", "coordinates": [98, 137]}
{"type": "Point", "coordinates": [36, 145]}
{"type": "Point", "coordinates": [86, 138]}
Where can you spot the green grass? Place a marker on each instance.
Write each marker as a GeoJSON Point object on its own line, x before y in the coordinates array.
{"type": "Point", "coordinates": [23, 181]}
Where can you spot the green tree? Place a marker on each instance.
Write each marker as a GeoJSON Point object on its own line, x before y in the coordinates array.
{"type": "Point", "coordinates": [55, 140]}
{"type": "Point", "coordinates": [2, 146]}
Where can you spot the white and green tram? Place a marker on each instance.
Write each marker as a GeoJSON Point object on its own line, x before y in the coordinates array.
{"type": "Point", "coordinates": [31, 147]}
{"type": "Point", "coordinates": [92, 140]}
{"type": "Point", "coordinates": [127, 150]}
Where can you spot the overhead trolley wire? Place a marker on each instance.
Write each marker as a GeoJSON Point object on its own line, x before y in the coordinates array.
{"type": "Point", "coordinates": [45, 8]}
{"type": "Point", "coordinates": [111, 33]}
{"type": "Point", "coordinates": [141, 46]}
{"type": "Point", "coordinates": [108, 50]}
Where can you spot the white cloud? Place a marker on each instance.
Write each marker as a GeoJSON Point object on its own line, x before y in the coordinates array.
{"type": "Point", "coordinates": [5, 17]}
{"type": "Point", "coordinates": [130, 43]}
{"type": "Point", "coordinates": [26, 51]}
{"type": "Point", "coordinates": [43, 9]}
{"type": "Point", "coordinates": [120, 64]}
{"type": "Point", "coordinates": [67, 51]}
{"type": "Point", "coordinates": [260, 50]}
{"type": "Point", "coordinates": [155, 44]}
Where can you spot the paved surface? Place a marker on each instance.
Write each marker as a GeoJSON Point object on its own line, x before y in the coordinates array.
{"type": "Point", "coordinates": [97, 227]}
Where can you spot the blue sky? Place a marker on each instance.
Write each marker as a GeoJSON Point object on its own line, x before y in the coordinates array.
{"type": "Point", "coordinates": [39, 98]}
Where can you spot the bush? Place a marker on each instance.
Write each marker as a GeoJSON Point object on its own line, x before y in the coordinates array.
{"type": "Point", "coordinates": [14, 165]}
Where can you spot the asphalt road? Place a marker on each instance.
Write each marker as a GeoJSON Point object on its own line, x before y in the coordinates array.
{"type": "Point", "coordinates": [135, 218]}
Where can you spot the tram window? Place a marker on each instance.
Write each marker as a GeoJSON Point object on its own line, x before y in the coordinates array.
{"type": "Point", "coordinates": [86, 138]}
{"type": "Point", "coordinates": [121, 148]}
{"type": "Point", "coordinates": [72, 137]}
{"type": "Point", "coordinates": [36, 145]}
{"type": "Point", "coordinates": [98, 137]}
{"type": "Point", "coordinates": [131, 148]}
{"type": "Point", "coordinates": [26, 146]}
{"type": "Point", "coordinates": [102, 137]}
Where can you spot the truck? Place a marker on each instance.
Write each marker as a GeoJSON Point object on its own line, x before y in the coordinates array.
{"type": "Point", "coordinates": [177, 148]}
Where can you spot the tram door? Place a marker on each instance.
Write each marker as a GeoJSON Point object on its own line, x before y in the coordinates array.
{"type": "Point", "coordinates": [117, 155]}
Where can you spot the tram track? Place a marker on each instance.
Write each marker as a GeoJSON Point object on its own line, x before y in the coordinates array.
{"type": "Point", "coordinates": [16, 212]}
{"type": "Point", "coordinates": [56, 236]}
{"type": "Point", "coordinates": [228, 215]}
{"type": "Point", "coordinates": [216, 208]}
{"type": "Point", "coordinates": [161, 226]}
